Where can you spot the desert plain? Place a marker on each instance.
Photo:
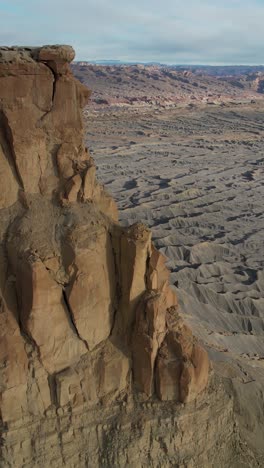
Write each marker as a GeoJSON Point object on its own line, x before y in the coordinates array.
{"type": "Point", "coordinates": [192, 170]}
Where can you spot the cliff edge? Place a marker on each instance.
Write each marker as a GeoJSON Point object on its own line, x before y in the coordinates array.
{"type": "Point", "coordinates": [97, 366]}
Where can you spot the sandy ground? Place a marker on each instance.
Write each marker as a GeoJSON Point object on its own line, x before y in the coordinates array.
{"type": "Point", "coordinates": [195, 176]}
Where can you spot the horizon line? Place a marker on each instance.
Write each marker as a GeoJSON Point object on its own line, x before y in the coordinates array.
{"type": "Point", "coordinates": [141, 62]}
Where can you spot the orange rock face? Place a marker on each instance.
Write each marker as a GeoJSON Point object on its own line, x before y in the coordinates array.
{"type": "Point", "coordinates": [86, 311]}
{"type": "Point", "coordinates": [182, 365]}
{"type": "Point", "coordinates": [166, 358]}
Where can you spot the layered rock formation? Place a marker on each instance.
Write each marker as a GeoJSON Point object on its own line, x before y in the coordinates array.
{"type": "Point", "coordinates": [96, 362]}
{"type": "Point", "coordinates": [142, 88]}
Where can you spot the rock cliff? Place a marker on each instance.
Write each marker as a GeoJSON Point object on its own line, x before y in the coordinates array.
{"type": "Point", "coordinates": [97, 366]}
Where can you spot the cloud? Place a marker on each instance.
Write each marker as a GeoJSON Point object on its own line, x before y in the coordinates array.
{"type": "Point", "coordinates": [172, 31]}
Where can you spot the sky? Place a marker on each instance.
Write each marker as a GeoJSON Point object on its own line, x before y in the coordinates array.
{"type": "Point", "coordinates": [213, 32]}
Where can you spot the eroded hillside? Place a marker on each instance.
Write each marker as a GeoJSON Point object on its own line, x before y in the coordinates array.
{"type": "Point", "coordinates": [154, 86]}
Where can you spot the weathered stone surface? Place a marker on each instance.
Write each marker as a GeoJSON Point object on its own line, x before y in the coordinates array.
{"type": "Point", "coordinates": [166, 358]}
{"type": "Point", "coordinates": [56, 53]}
{"type": "Point", "coordinates": [194, 378]}
{"type": "Point", "coordinates": [165, 351]}
{"type": "Point", "coordinates": [9, 191]}
{"type": "Point", "coordinates": [133, 252]}
{"type": "Point", "coordinates": [92, 294]}
{"type": "Point", "coordinates": [34, 124]}
{"type": "Point", "coordinates": [45, 317]}
{"type": "Point", "coordinates": [112, 370]}
{"type": "Point", "coordinates": [158, 273]}
{"type": "Point", "coordinates": [149, 332]}
{"type": "Point", "coordinates": [69, 389]}
{"type": "Point", "coordinates": [14, 367]}
{"type": "Point", "coordinates": [182, 365]}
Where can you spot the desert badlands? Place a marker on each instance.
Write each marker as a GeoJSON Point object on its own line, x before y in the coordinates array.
{"type": "Point", "coordinates": [131, 275]}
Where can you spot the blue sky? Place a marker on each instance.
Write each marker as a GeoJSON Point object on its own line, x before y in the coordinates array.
{"type": "Point", "coordinates": [169, 31]}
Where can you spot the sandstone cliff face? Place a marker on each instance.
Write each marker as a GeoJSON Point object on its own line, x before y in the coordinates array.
{"type": "Point", "coordinates": [96, 362]}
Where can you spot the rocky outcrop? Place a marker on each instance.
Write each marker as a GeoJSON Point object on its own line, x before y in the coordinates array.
{"type": "Point", "coordinates": [166, 358]}
{"type": "Point", "coordinates": [90, 328]}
